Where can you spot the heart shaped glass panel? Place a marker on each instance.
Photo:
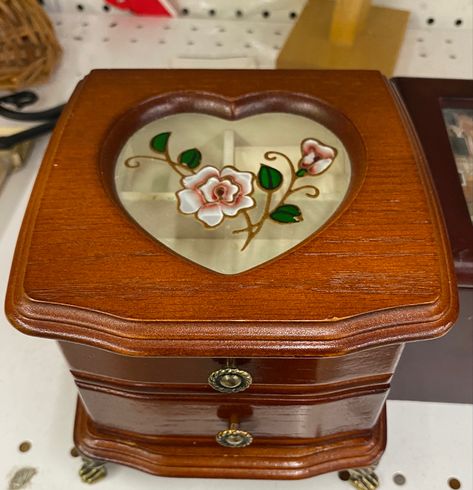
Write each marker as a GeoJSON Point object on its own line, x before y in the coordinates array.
{"type": "Point", "coordinates": [230, 195]}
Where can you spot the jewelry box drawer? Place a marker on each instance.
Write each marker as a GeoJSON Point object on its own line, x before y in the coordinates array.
{"type": "Point", "coordinates": [266, 375]}
{"type": "Point", "coordinates": [204, 416]}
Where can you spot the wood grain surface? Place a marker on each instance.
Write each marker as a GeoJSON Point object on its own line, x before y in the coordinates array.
{"type": "Point", "coordinates": [200, 457]}
{"type": "Point", "coordinates": [269, 375]}
{"type": "Point", "coordinates": [380, 273]}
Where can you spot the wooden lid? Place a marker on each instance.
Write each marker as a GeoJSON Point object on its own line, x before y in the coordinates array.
{"type": "Point", "coordinates": [380, 272]}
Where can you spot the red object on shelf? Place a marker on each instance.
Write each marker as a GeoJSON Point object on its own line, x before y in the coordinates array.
{"type": "Point", "coordinates": [146, 7]}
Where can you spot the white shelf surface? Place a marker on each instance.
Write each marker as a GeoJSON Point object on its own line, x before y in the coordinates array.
{"type": "Point", "coordinates": [427, 442]}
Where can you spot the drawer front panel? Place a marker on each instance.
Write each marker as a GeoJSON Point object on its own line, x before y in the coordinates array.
{"type": "Point", "coordinates": [264, 371]}
{"type": "Point", "coordinates": [205, 416]}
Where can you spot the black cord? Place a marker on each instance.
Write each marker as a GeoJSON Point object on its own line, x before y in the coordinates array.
{"type": "Point", "coordinates": [7, 142]}
{"type": "Point", "coordinates": [22, 99]}
{"type": "Point", "coordinates": [53, 113]}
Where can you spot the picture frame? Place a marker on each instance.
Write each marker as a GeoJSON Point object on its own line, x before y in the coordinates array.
{"type": "Point", "coordinates": [434, 106]}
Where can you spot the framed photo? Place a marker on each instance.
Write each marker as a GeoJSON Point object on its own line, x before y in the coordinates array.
{"type": "Point", "coordinates": [441, 111]}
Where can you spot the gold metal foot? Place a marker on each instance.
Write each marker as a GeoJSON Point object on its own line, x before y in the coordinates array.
{"type": "Point", "coordinates": [92, 470]}
{"type": "Point", "coordinates": [364, 478]}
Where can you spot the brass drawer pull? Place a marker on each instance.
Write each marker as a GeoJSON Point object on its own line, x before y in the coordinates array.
{"type": "Point", "coordinates": [233, 436]}
{"type": "Point", "coordinates": [230, 380]}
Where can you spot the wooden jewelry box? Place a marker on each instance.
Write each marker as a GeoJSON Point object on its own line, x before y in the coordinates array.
{"type": "Point", "coordinates": [231, 263]}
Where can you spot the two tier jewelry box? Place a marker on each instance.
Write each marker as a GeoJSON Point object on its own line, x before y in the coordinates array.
{"type": "Point", "coordinates": [231, 262]}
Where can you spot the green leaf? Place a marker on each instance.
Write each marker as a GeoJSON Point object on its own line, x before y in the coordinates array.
{"type": "Point", "coordinates": [287, 213]}
{"type": "Point", "coordinates": [269, 178]}
{"type": "Point", "coordinates": [191, 158]}
{"type": "Point", "coordinates": [159, 143]}
{"type": "Point", "coordinates": [301, 172]}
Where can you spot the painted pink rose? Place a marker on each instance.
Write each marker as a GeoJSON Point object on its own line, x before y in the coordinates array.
{"type": "Point", "coordinates": [214, 194]}
{"type": "Point", "coordinates": [316, 158]}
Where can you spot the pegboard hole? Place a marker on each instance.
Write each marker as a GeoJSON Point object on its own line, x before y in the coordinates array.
{"type": "Point", "coordinates": [399, 479]}
{"type": "Point", "coordinates": [139, 26]}
{"type": "Point", "coordinates": [453, 56]}
{"type": "Point", "coordinates": [190, 43]}
{"type": "Point", "coordinates": [292, 15]}
{"type": "Point", "coordinates": [194, 28]}
{"type": "Point", "coordinates": [221, 29]}
{"type": "Point", "coordinates": [238, 13]}
{"type": "Point", "coordinates": [276, 47]}
{"type": "Point", "coordinates": [167, 27]}
{"type": "Point", "coordinates": [162, 41]}
{"type": "Point", "coordinates": [247, 45]}
{"type": "Point", "coordinates": [85, 24]}
{"type": "Point", "coordinates": [185, 11]}
{"type": "Point", "coordinates": [24, 447]}
{"type": "Point", "coordinates": [79, 7]}
{"type": "Point", "coordinates": [249, 31]}
{"type": "Point", "coordinates": [218, 44]}
{"type": "Point", "coordinates": [133, 40]}
{"type": "Point", "coordinates": [105, 39]}
{"type": "Point", "coordinates": [420, 39]}
{"type": "Point", "coordinates": [212, 12]}
{"type": "Point", "coordinates": [458, 22]}
{"type": "Point", "coordinates": [59, 23]}
{"type": "Point", "coordinates": [77, 38]}
{"type": "Point", "coordinates": [344, 475]}
{"type": "Point", "coordinates": [454, 483]}
{"type": "Point", "coordinates": [423, 55]}
{"type": "Point", "coordinates": [430, 21]}
{"type": "Point", "coordinates": [266, 14]}
{"type": "Point", "coordinates": [106, 8]}
{"type": "Point", "coordinates": [448, 41]}
{"type": "Point", "coordinates": [112, 25]}
{"type": "Point", "coordinates": [74, 452]}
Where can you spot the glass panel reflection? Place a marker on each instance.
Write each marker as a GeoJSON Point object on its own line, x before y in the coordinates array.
{"type": "Point", "coordinates": [230, 195]}
{"type": "Point", "coordinates": [459, 124]}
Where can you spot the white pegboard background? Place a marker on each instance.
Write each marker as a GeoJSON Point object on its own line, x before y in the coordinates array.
{"type": "Point", "coordinates": [438, 42]}
{"type": "Point", "coordinates": [433, 14]}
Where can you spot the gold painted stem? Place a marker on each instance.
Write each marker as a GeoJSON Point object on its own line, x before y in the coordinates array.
{"type": "Point", "coordinates": [257, 226]}
{"type": "Point", "coordinates": [313, 195]}
{"type": "Point", "coordinates": [254, 228]}
{"type": "Point", "coordinates": [167, 160]}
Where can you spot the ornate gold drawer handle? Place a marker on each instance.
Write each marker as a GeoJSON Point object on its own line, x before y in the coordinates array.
{"type": "Point", "coordinates": [230, 380]}
{"type": "Point", "coordinates": [234, 436]}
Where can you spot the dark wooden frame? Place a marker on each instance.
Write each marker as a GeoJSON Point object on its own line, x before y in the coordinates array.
{"type": "Point", "coordinates": [424, 100]}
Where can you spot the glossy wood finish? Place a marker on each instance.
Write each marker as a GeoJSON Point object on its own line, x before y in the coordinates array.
{"type": "Point", "coordinates": [265, 416]}
{"type": "Point", "coordinates": [381, 273]}
{"type": "Point", "coordinates": [199, 457]}
{"type": "Point", "coordinates": [273, 375]}
{"type": "Point", "coordinates": [320, 329]}
{"type": "Point", "coordinates": [424, 99]}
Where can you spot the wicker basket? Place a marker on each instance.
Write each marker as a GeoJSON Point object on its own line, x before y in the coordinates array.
{"type": "Point", "coordinates": [28, 46]}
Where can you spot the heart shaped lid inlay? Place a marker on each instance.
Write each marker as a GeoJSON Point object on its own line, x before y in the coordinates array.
{"type": "Point", "coordinates": [230, 195]}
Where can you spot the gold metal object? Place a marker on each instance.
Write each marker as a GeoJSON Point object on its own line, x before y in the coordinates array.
{"type": "Point", "coordinates": [230, 380]}
{"type": "Point", "coordinates": [22, 478]}
{"type": "Point", "coordinates": [364, 478]}
{"type": "Point", "coordinates": [92, 470]}
{"type": "Point", "coordinates": [233, 436]}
